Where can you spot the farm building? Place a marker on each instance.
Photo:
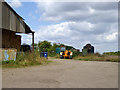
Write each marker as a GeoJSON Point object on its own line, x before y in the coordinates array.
{"type": "Point", "coordinates": [88, 49]}
{"type": "Point", "coordinates": [10, 24]}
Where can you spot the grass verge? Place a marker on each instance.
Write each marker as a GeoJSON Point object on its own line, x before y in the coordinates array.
{"type": "Point", "coordinates": [57, 56]}
{"type": "Point", "coordinates": [94, 57]}
{"type": "Point", "coordinates": [25, 60]}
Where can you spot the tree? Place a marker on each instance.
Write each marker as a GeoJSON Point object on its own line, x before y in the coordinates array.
{"type": "Point", "coordinates": [35, 44]}
{"type": "Point", "coordinates": [53, 48]}
{"type": "Point", "coordinates": [55, 45]}
{"type": "Point", "coordinates": [44, 45]}
{"type": "Point", "coordinates": [24, 44]}
{"type": "Point", "coordinates": [69, 47]}
{"type": "Point", "coordinates": [61, 45]}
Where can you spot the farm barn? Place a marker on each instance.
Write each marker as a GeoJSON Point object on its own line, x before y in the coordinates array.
{"type": "Point", "coordinates": [10, 24]}
{"type": "Point", "coordinates": [88, 49]}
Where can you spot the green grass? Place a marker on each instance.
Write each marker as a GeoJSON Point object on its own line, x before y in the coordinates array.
{"type": "Point", "coordinates": [14, 64]}
{"type": "Point", "coordinates": [97, 57]}
{"type": "Point", "coordinates": [23, 64]}
{"type": "Point", "coordinates": [25, 60]}
{"type": "Point", "coordinates": [93, 57]}
{"type": "Point", "coordinates": [57, 56]}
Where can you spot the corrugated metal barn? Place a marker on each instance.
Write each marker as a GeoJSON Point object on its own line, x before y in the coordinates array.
{"type": "Point", "coordinates": [10, 24]}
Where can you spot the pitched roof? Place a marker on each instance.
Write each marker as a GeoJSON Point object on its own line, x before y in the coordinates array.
{"type": "Point", "coordinates": [27, 28]}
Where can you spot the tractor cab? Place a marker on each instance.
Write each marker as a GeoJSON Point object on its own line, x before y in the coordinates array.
{"type": "Point", "coordinates": [65, 53]}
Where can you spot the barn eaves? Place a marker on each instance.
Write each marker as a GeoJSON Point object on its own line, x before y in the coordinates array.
{"type": "Point", "coordinates": [10, 24]}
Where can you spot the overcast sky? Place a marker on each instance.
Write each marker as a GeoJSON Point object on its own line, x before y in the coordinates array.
{"type": "Point", "coordinates": [72, 23]}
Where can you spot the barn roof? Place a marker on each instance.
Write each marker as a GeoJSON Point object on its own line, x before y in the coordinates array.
{"type": "Point", "coordinates": [13, 21]}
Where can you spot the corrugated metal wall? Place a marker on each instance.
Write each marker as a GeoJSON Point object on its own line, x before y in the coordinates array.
{"type": "Point", "coordinates": [10, 20]}
{"type": "Point", "coordinates": [0, 15]}
{"type": "Point", "coordinates": [0, 26]}
{"type": "Point", "coordinates": [22, 26]}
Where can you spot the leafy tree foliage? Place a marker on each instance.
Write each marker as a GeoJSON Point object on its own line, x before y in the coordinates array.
{"type": "Point", "coordinates": [51, 49]}
{"type": "Point", "coordinates": [35, 44]}
{"type": "Point", "coordinates": [24, 44]}
{"type": "Point", "coordinates": [44, 45]}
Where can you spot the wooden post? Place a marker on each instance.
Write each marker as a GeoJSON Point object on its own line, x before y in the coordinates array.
{"type": "Point", "coordinates": [33, 41]}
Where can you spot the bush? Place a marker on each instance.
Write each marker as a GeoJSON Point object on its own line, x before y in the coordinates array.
{"type": "Point", "coordinates": [52, 54]}
{"type": "Point", "coordinates": [76, 53]}
{"type": "Point", "coordinates": [97, 54]}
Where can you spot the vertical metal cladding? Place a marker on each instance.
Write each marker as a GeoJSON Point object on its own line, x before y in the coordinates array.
{"type": "Point", "coordinates": [10, 20]}
{"type": "Point", "coordinates": [0, 15]}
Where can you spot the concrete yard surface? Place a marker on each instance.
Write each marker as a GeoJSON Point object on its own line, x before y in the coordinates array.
{"type": "Point", "coordinates": [63, 74]}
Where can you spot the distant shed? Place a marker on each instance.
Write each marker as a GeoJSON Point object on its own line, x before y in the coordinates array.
{"type": "Point", "coordinates": [88, 49]}
{"type": "Point", "coordinates": [11, 24]}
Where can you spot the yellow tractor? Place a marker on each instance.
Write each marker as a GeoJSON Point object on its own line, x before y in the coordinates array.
{"type": "Point", "coordinates": [65, 53]}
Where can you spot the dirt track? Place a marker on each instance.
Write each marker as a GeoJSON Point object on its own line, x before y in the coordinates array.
{"type": "Point", "coordinates": [63, 74]}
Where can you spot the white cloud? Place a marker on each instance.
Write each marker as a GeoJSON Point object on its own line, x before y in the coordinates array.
{"type": "Point", "coordinates": [112, 36]}
{"type": "Point", "coordinates": [16, 3]}
{"type": "Point", "coordinates": [78, 24]}
{"type": "Point", "coordinates": [53, 31]}
{"type": "Point", "coordinates": [91, 25]}
{"type": "Point", "coordinates": [77, 34]}
{"type": "Point", "coordinates": [108, 37]}
{"type": "Point", "coordinates": [91, 10]}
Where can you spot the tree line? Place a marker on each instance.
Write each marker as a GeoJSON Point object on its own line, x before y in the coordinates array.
{"type": "Point", "coordinates": [47, 46]}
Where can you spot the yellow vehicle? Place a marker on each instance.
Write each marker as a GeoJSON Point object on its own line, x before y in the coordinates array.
{"type": "Point", "coordinates": [65, 53]}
